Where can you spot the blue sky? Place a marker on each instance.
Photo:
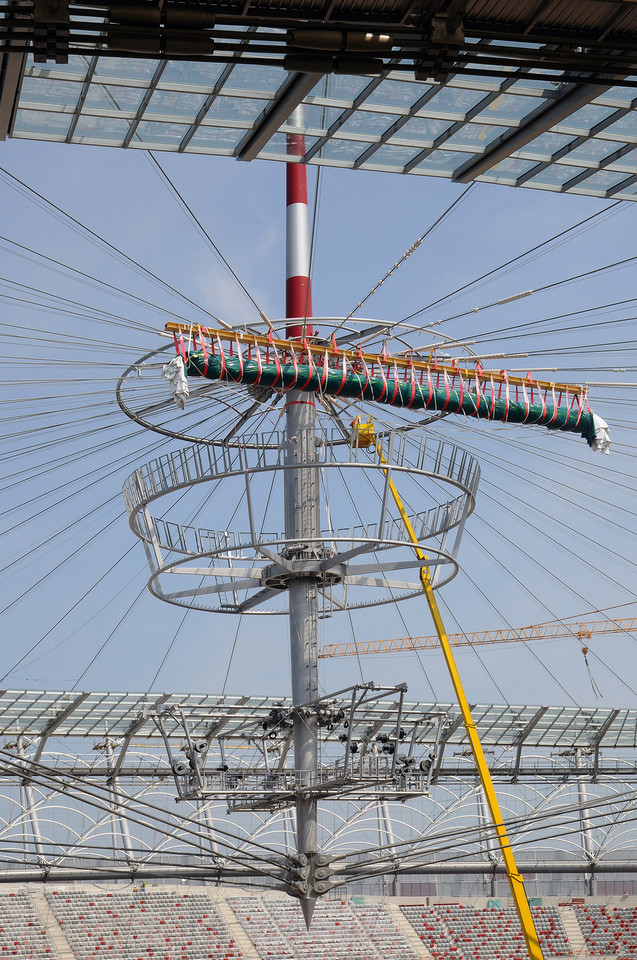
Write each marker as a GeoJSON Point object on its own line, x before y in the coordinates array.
{"type": "Point", "coordinates": [554, 530]}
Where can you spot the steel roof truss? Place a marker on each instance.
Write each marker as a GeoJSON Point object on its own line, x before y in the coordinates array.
{"type": "Point", "coordinates": [539, 122]}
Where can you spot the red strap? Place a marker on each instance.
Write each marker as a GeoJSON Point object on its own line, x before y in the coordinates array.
{"type": "Point", "coordinates": [492, 408]}
{"type": "Point", "coordinates": [393, 397]}
{"type": "Point", "coordinates": [362, 393]}
{"type": "Point", "coordinates": [203, 331]}
{"type": "Point", "coordinates": [382, 373]}
{"type": "Point", "coordinates": [240, 358]}
{"type": "Point", "coordinates": [222, 357]}
{"type": "Point", "coordinates": [447, 390]}
{"type": "Point", "coordinates": [413, 383]}
{"type": "Point", "coordinates": [259, 364]}
{"type": "Point", "coordinates": [343, 378]}
{"type": "Point", "coordinates": [526, 402]}
{"type": "Point", "coordinates": [323, 379]}
{"type": "Point", "coordinates": [309, 364]}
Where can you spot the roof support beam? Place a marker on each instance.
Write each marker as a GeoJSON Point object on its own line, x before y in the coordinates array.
{"type": "Point", "coordinates": [56, 721]}
{"type": "Point", "coordinates": [11, 73]}
{"type": "Point", "coordinates": [533, 722]}
{"type": "Point", "coordinates": [578, 95]}
{"type": "Point", "coordinates": [296, 90]}
{"type": "Point", "coordinates": [601, 733]}
{"type": "Point", "coordinates": [444, 740]}
{"type": "Point", "coordinates": [134, 728]}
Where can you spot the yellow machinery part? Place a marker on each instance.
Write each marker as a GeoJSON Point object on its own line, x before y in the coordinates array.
{"type": "Point", "coordinates": [516, 883]}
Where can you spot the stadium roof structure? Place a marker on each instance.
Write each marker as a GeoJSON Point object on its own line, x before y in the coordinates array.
{"type": "Point", "coordinates": [530, 94]}
{"type": "Point", "coordinates": [87, 791]}
{"type": "Point", "coordinates": [38, 713]}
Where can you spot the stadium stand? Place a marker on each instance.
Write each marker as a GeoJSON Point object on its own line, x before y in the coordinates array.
{"type": "Point", "coordinates": [608, 931]}
{"type": "Point", "coordinates": [363, 932]}
{"type": "Point", "coordinates": [162, 922]}
{"type": "Point", "coordinates": [21, 930]}
{"type": "Point", "coordinates": [450, 931]}
{"type": "Point", "coordinates": [145, 925]}
{"type": "Point", "coordinates": [551, 932]}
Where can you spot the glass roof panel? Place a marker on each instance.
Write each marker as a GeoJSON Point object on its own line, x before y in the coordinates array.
{"type": "Point", "coordinates": [585, 118]}
{"type": "Point", "coordinates": [390, 157]}
{"type": "Point", "coordinates": [345, 150]}
{"type": "Point", "coordinates": [508, 170]}
{"type": "Point", "coordinates": [453, 101]}
{"type": "Point", "coordinates": [629, 192]}
{"type": "Point", "coordinates": [627, 163]}
{"type": "Point", "coordinates": [441, 162]}
{"type": "Point", "coordinates": [621, 95]}
{"type": "Point", "coordinates": [235, 108]}
{"type": "Point", "coordinates": [625, 128]}
{"type": "Point", "coordinates": [44, 91]}
{"type": "Point", "coordinates": [277, 146]}
{"type": "Point", "coordinates": [44, 124]}
{"type": "Point", "coordinates": [150, 132]}
{"type": "Point", "coordinates": [346, 88]}
{"type": "Point", "coordinates": [126, 69]}
{"type": "Point", "coordinates": [189, 74]}
{"type": "Point", "coordinates": [478, 135]}
{"type": "Point", "coordinates": [510, 107]}
{"type": "Point", "coordinates": [554, 175]}
{"type": "Point", "coordinates": [424, 130]}
{"type": "Point", "coordinates": [316, 117]}
{"type": "Point", "coordinates": [106, 130]}
{"type": "Point", "coordinates": [602, 180]}
{"type": "Point", "coordinates": [529, 85]}
{"type": "Point", "coordinates": [592, 151]}
{"type": "Point", "coordinates": [109, 97]}
{"type": "Point", "coordinates": [175, 104]}
{"type": "Point", "coordinates": [396, 93]}
{"type": "Point", "coordinates": [365, 123]}
{"type": "Point", "coordinates": [222, 140]}
{"type": "Point", "coordinates": [546, 145]}
{"type": "Point", "coordinates": [247, 76]}
{"type": "Point", "coordinates": [76, 67]}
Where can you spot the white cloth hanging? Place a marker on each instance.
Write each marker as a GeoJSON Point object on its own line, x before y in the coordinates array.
{"type": "Point", "coordinates": [601, 443]}
{"type": "Point", "coordinates": [175, 373]}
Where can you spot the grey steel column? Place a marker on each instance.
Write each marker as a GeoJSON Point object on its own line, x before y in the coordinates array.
{"type": "Point", "coordinates": [28, 805]}
{"type": "Point", "coordinates": [586, 830]}
{"type": "Point", "coordinates": [117, 797]}
{"type": "Point", "coordinates": [302, 510]}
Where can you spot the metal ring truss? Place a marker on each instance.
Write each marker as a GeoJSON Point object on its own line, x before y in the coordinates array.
{"type": "Point", "coordinates": [227, 414]}
{"type": "Point", "coordinates": [243, 567]}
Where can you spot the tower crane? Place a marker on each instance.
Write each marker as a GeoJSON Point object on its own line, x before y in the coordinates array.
{"type": "Point", "coordinates": [551, 630]}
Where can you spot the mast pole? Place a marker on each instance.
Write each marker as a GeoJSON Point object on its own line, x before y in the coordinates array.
{"type": "Point", "coordinates": [302, 512]}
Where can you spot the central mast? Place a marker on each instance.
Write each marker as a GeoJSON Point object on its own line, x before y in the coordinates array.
{"type": "Point", "coordinates": [302, 512]}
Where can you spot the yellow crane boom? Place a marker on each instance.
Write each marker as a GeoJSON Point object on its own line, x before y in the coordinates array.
{"type": "Point", "coordinates": [552, 630]}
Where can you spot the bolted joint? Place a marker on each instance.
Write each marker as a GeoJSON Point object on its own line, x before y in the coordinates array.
{"type": "Point", "coordinates": [323, 873]}
{"type": "Point", "coordinates": [298, 876]}
{"type": "Point", "coordinates": [310, 876]}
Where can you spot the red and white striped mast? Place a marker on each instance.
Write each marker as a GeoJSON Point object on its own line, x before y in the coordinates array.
{"type": "Point", "coordinates": [302, 512]}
